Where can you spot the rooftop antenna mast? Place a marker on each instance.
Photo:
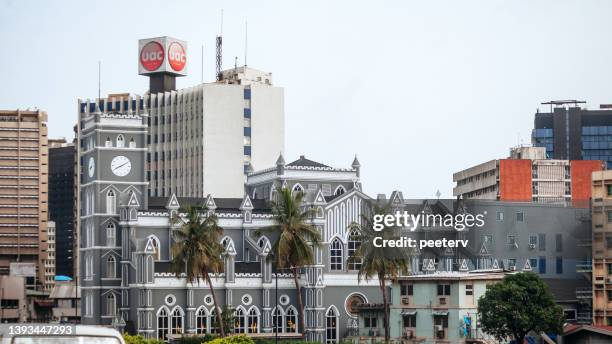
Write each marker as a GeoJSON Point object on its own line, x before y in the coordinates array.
{"type": "Point", "coordinates": [219, 49]}
{"type": "Point", "coordinates": [202, 67]}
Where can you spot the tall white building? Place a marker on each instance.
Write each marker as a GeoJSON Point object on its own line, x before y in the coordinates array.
{"type": "Point", "coordinates": [202, 140]}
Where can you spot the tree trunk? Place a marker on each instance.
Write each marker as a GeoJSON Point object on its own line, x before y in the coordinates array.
{"type": "Point", "coordinates": [299, 300]}
{"type": "Point", "coordinates": [383, 288]}
{"type": "Point", "coordinates": [217, 308]}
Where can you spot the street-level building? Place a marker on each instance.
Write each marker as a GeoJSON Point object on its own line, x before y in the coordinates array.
{"type": "Point", "coordinates": [432, 308]}
{"type": "Point", "coordinates": [23, 192]}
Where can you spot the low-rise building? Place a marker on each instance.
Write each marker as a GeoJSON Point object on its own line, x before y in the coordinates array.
{"type": "Point", "coordinates": [429, 308]}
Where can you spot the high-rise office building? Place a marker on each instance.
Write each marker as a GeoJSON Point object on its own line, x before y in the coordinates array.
{"type": "Point", "coordinates": [203, 139]}
{"type": "Point", "coordinates": [61, 203]}
{"type": "Point", "coordinates": [23, 190]}
{"type": "Point", "coordinates": [527, 176]}
{"type": "Point", "coordinates": [570, 131]}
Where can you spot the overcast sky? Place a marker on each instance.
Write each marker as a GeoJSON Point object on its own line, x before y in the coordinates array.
{"type": "Point", "coordinates": [417, 90]}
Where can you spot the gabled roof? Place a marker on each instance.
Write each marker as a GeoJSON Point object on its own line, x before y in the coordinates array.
{"type": "Point", "coordinates": [302, 161]}
{"type": "Point", "coordinates": [223, 204]}
{"type": "Point", "coordinates": [572, 328]}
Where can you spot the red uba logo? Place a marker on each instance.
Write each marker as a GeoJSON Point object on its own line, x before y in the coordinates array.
{"type": "Point", "coordinates": [152, 56]}
{"type": "Point", "coordinates": [176, 56]}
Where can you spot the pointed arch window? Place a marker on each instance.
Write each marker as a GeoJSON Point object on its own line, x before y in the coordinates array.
{"type": "Point", "coordinates": [297, 188]}
{"type": "Point", "coordinates": [239, 326]}
{"type": "Point", "coordinates": [110, 267]}
{"type": "Point", "coordinates": [352, 247]}
{"type": "Point", "coordinates": [202, 321]}
{"type": "Point", "coordinates": [214, 327]}
{"type": "Point", "coordinates": [132, 143]}
{"type": "Point", "coordinates": [120, 141]}
{"type": "Point", "coordinates": [253, 320]}
{"type": "Point", "coordinates": [111, 235]}
{"type": "Point", "coordinates": [111, 304]}
{"type": "Point", "coordinates": [156, 249]}
{"type": "Point", "coordinates": [277, 319]}
{"type": "Point", "coordinates": [339, 190]}
{"type": "Point", "coordinates": [290, 323]}
{"type": "Point", "coordinates": [108, 142]}
{"type": "Point", "coordinates": [176, 321]}
{"type": "Point", "coordinates": [331, 326]}
{"type": "Point", "coordinates": [162, 324]}
{"type": "Point", "coordinates": [111, 202]}
{"type": "Point", "coordinates": [335, 255]}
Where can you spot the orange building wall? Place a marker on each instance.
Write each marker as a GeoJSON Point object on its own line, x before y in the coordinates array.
{"type": "Point", "coordinates": [581, 171]}
{"type": "Point", "coordinates": [515, 180]}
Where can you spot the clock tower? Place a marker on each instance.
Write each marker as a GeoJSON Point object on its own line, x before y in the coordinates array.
{"type": "Point", "coordinates": [112, 160]}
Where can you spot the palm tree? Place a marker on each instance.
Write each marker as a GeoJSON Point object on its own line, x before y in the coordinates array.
{"type": "Point", "coordinates": [197, 251]}
{"type": "Point", "coordinates": [386, 263]}
{"type": "Point", "coordinates": [296, 238]}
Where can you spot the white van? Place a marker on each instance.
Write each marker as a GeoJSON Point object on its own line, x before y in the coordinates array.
{"type": "Point", "coordinates": [30, 333]}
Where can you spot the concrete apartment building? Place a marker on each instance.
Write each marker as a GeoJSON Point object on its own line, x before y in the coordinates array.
{"type": "Point", "coordinates": [431, 308]}
{"type": "Point", "coordinates": [602, 247]}
{"type": "Point", "coordinates": [24, 191]}
{"type": "Point", "coordinates": [526, 176]}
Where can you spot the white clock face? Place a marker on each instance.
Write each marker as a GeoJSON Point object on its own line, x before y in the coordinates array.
{"type": "Point", "coordinates": [91, 167]}
{"type": "Point", "coordinates": [121, 166]}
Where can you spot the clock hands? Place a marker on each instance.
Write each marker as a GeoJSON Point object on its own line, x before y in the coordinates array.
{"type": "Point", "coordinates": [125, 163]}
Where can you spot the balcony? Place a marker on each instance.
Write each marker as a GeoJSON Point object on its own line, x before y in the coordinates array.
{"type": "Point", "coordinates": [584, 266]}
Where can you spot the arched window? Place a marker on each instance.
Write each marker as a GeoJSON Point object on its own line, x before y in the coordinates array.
{"type": "Point", "coordinates": [239, 327]}
{"type": "Point", "coordinates": [339, 190]}
{"type": "Point", "coordinates": [90, 235]}
{"type": "Point", "coordinates": [253, 320]}
{"type": "Point", "coordinates": [111, 202]}
{"type": "Point", "coordinates": [331, 326]}
{"type": "Point", "coordinates": [176, 321]}
{"type": "Point", "coordinates": [110, 267]}
{"type": "Point", "coordinates": [120, 141]}
{"type": "Point", "coordinates": [111, 235]}
{"type": "Point", "coordinates": [156, 250]}
{"type": "Point", "coordinates": [353, 245]}
{"type": "Point", "coordinates": [291, 320]}
{"type": "Point", "coordinates": [132, 143]}
{"type": "Point", "coordinates": [214, 327]}
{"type": "Point", "coordinates": [277, 319]}
{"type": "Point", "coordinates": [108, 142]}
{"type": "Point", "coordinates": [297, 188]}
{"type": "Point", "coordinates": [162, 324]}
{"type": "Point", "coordinates": [111, 304]}
{"type": "Point", "coordinates": [202, 320]}
{"type": "Point", "coordinates": [335, 255]}
{"type": "Point", "coordinates": [262, 242]}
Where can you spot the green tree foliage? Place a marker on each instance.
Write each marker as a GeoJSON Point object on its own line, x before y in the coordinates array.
{"type": "Point", "coordinates": [197, 251]}
{"type": "Point", "coordinates": [238, 339]}
{"type": "Point", "coordinates": [386, 263]}
{"type": "Point", "coordinates": [296, 238]}
{"type": "Point", "coordinates": [138, 339]}
{"type": "Point", "coordinates": [519, 304]}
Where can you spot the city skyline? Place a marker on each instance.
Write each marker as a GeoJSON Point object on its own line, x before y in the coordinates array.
{"type": "Point", "coordinates": [426, 84]}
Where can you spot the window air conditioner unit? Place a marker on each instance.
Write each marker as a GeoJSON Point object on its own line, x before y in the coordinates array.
{"type": "Point", "coordinates": [442, 301]}
{"type": "Point", "coordinates": [439, 328]}
{"type": "Point", "coordinates": [405, 300]}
